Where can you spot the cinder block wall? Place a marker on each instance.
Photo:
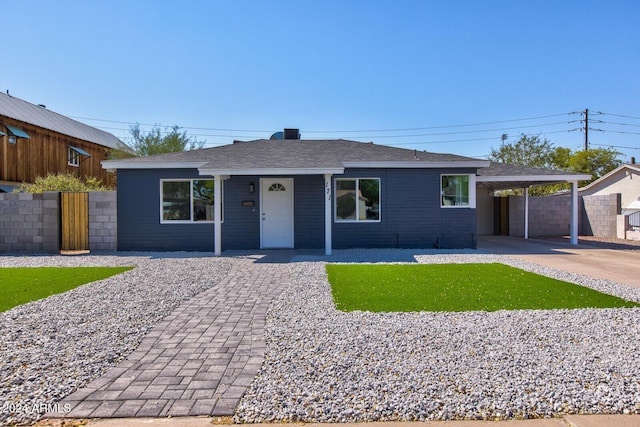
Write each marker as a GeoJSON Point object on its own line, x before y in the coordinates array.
{"type": "Point", "coordinates": [102, 221]}
{"type": "Point", "coordinates": [30, 223]}
{"type": "Point", "coordinates": [548, 216]}
{"type": "Point", "coordinates": [598, 215]}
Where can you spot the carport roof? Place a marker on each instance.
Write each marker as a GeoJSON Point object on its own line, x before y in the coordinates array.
{"type": "Point", "coordinates": [502, 176]}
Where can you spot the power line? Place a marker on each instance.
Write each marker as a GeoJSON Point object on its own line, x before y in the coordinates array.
{"type": "Point", "coordinates": [617, 146]}
{"type": "Point", "coordinates": [327, 131]}
{"type": "Point", "coordinates": [464, 131]}
{"type": "Point", "coordinates": [617, 131]}
{"type": "Point", "coordinates": [616, 123]}
{"type": "Point", "coordinates": [619, 115]}
{"type": "Point", "coordinates": [479, 139]}
{"type": "Point", "coordinates": [382, 136]}
{"type": "Point", "coordinates": [439, 127]}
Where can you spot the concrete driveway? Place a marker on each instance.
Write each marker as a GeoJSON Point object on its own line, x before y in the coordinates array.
{"type": "Point", "coordinates": [618, 265]}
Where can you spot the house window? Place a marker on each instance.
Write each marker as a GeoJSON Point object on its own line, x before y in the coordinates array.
{"type": "Point", "coordinates": [73, 157]}
{"type": "Point", "coordinates": [457, 191]}
{"type": "Point", "coordinates": [357, 199]}
{"type": "Point", "coordinates": [187, 200]}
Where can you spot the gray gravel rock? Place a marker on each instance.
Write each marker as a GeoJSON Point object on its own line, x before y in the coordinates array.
{"type": "Point", "coordinates": [52, 347]}
{"type": "Point", "coordinates": [323, 365]}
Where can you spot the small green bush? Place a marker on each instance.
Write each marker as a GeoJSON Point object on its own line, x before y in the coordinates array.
{"type": "Point", "coordinates": [62, 182]}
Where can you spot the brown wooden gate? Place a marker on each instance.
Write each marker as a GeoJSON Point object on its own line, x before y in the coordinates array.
{"type": "Point", "coordinates": [501, 216]}
{"type": "Point", "coordinates": [74, 217]}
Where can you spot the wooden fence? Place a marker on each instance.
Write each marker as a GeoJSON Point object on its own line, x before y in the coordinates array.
{"type": "Point", "coordinates": [74, 217]}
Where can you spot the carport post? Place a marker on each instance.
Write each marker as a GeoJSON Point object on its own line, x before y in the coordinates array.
{"type": "Point", "coordinates": [574, 213]}
{"type": "Point", "coordinates": [526, 212]}
{"type": "Point", "coordinates": [217, 216]}
{"type": "Point", "coordinates": [327, 214]}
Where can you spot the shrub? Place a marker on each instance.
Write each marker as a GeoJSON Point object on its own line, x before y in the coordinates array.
{"type": "Point", "coordinates": [62, 182]}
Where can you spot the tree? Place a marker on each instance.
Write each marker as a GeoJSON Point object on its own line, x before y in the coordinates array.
{"type": "Point", "coordinates": [597, 162]}
{"type": "Point", "coordinates": [530, 151]}
{"type": "Point", "coordinates": [527, 151]}
{"type": "Point", "coordinates": [154, 142]}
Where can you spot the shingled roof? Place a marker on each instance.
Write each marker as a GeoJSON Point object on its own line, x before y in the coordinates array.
{"type": "Point", "coordinates": [297, 154]}
{"type": "Point", "coordinates": [36, 115]}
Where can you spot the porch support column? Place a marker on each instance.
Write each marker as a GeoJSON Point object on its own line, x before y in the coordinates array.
{"type": "Point", "coordinates": [327, 214]}
{"type": "Point", "coordinates": [217, 216]}
{"type": "Point", "coordinates": [526, 212]}
{"type": "Point", "coordinates": [574, 213]}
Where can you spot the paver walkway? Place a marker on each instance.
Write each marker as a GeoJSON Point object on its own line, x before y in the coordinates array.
{"type": "Point", "coordinates": [201, 358]}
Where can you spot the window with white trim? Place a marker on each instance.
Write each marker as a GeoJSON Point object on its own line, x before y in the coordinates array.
{"type": "Point", "coordinates": [187, 200]}
{"type": "Point", "coordinates": [73, 157]}
{"type": "Point", "coordinates": [455, 191]}
{"type": "Point", "coordinates": [357, 199]}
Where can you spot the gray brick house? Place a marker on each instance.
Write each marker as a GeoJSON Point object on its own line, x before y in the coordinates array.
{"type": "Point", "coordinates": [294, 193]}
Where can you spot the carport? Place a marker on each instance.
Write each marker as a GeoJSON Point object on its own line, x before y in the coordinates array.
{"type": "Point", "coordinates": [501, 176]}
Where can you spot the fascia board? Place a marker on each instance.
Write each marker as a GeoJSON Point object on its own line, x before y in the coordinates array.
{"type": "Point", "coordinates": [419, 164]}
{"type": "Point", "coordinates": [272, 171]}
{"type": "Point", "coordinates": [119, 164]}
{"type": "Point", "coordinates": [540, 178]}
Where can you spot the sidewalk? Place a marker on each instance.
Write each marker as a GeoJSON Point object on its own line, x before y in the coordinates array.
{"type": "Point", "coordinates": [566, 421]}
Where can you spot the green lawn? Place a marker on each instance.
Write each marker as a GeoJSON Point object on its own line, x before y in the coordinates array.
{"type": "Point", "coordinates": [21, 285]}
{"type": "Point", "coordinates": [456, 287]}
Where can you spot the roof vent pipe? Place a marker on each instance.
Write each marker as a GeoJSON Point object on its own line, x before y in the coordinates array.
{"type": "Point", "coordinates": [292, 133]}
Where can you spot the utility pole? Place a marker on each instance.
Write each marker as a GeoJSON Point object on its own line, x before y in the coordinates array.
{"type": "Point", "coordinates": [586, 129]}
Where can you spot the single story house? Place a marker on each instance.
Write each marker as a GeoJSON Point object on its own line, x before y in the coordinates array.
{"type": "Point", "coordinates": [294, 193]}
{"type": "Point", "coordinates": [624, 179]}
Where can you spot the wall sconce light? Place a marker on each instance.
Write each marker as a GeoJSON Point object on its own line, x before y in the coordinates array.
{"type": "Point", "coordinates": [12, 139]}
{"type": "Point", "coordinates": [252, 187]}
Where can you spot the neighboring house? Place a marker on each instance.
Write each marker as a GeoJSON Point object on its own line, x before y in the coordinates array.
{"type": "Point", "coordinates": [611, 204]}
{"type": "Point", "coordinates": [624, 180]}
{"type": "Point", "coordinates": [35, 141]}
{"type": "Point", "coordinates": [295, 193]}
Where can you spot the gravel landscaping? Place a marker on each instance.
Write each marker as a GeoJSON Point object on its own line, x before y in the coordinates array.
{"type": "Point", "coordinates": [323, 365]}
{"type": "Point", "coordinates": [52, 347]}
{"type": "Point", "coordinates": [329, 366]}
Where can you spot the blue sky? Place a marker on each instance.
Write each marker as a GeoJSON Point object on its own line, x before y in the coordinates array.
{"type": "Point", "coordinates": [405, 73]}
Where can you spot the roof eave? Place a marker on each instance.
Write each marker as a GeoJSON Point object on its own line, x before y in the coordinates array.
{"type": "Point", "coordinates": [419, 164]}
{"type": "Point", "coordinates": [608, 175]}
{"type": "Point", "coordinates": [534, 178]}
{"type": "Point", "coordinates": [132, 164]}
{"type": "Point", "coordinates": [269, 171]}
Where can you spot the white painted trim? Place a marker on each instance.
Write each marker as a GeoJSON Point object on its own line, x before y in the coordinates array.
{"type": "Point", "coordinates": [418, 164]}
{"type": "Point", "coordinates": [217, 216]}
{"type": "Point", "coordinates": [190, 181]}
{"type": "Point", "coordinates": [472, 191]}
{"type": "Point", "coordinates": [327, 214]}
{"type": "Point", "coordinates": [271, 171]}
{"type": "Point", "coordinates": [533, 178]}
{"type": "Point", "coordinates": [574, 213]}
{"type": "Point", "coordinates": [357, 221]}
{"type": "Point", "coordinates": [122, 164]}
{"type": "Point", "coordinates": [526, 213]}
{"type": "Point", "coordinates": [293, 211]}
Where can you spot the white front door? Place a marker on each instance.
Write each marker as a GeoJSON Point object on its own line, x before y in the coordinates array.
{"type": "Point", "coordinates": [276, 211]}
